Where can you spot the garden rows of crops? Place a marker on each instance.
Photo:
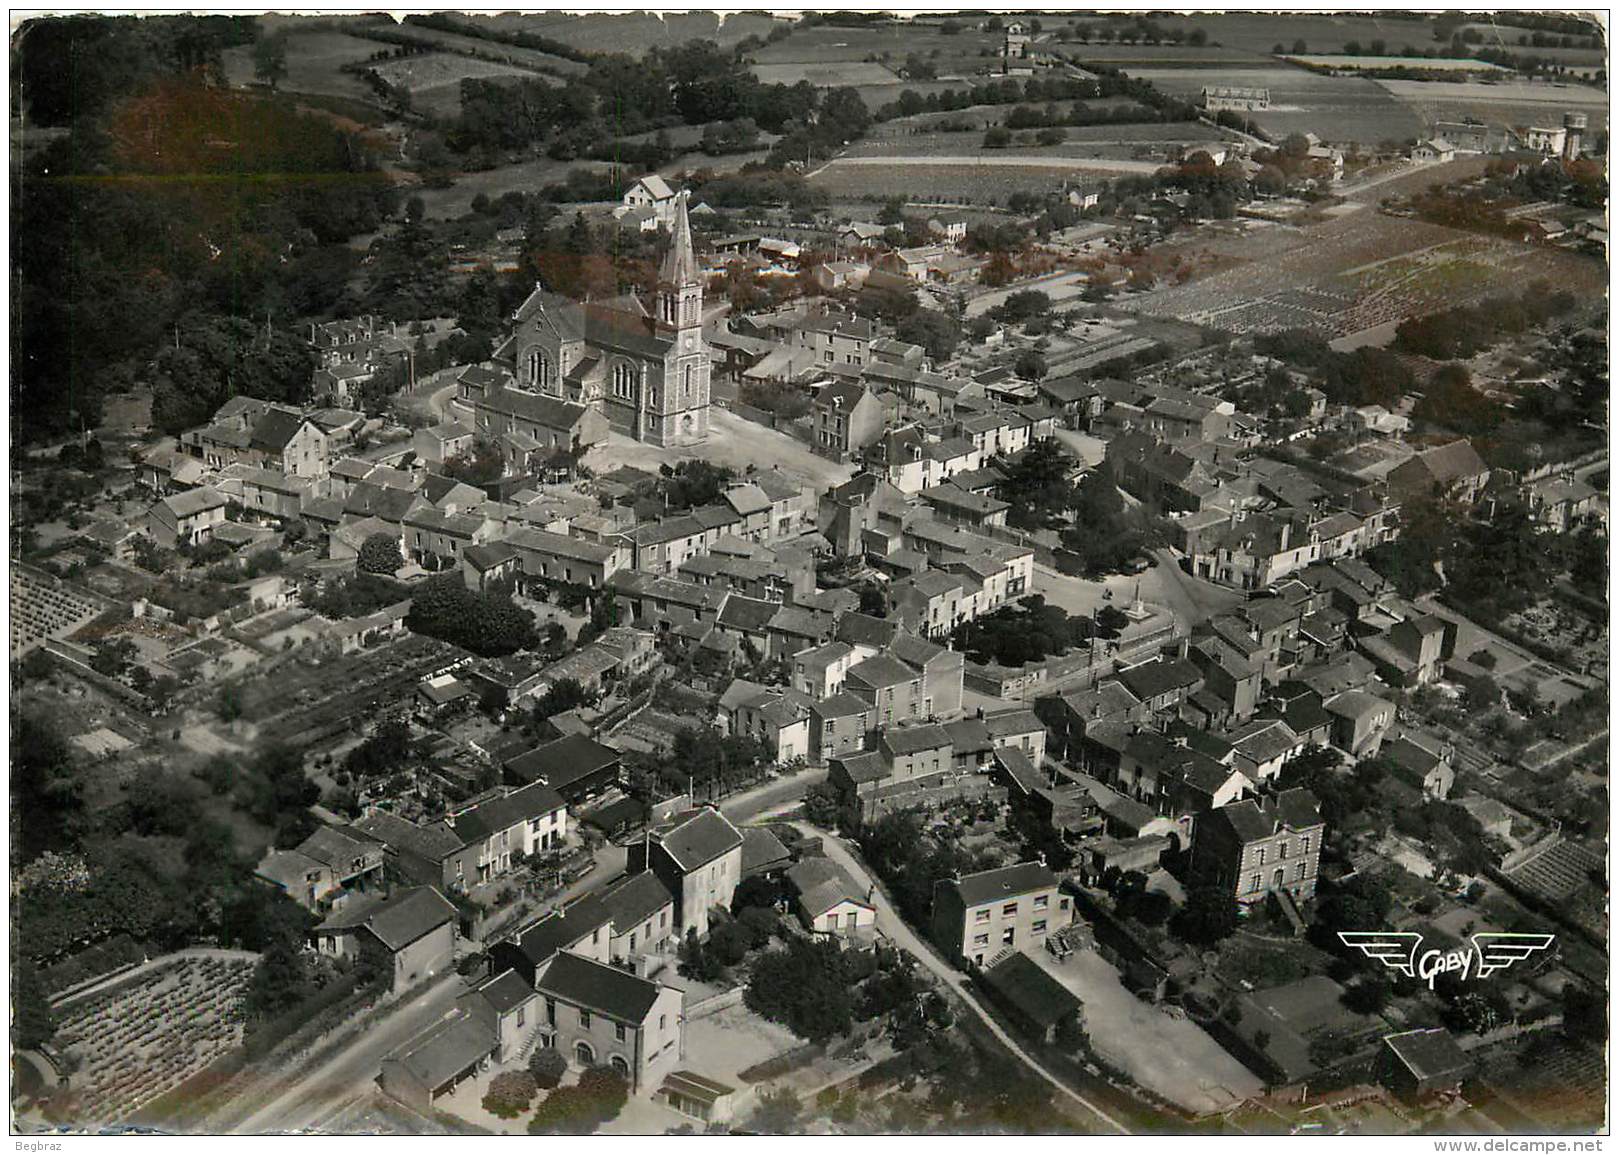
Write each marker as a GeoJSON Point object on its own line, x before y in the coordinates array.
{"type": "Point", "coordinates": [134, 1042]}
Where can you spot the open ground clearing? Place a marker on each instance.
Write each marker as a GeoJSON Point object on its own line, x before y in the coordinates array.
{"type": "Point", "coordinates": [1171, 1057]}
{"type": "Point", "coordinates": [1500, 104]}
{"type": "Point", "coordinates": [1339, 108]}
{"type": "Point", "coordinates": [315, 61]}
{"type": "Point", "coordinates": [732, 441]}
{"type": "Point", "coordinates": [1353, 273]}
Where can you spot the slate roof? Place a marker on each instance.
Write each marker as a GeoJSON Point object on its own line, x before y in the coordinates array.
{"type": "Point", "coordinates": [1003, 882]}
{"type": "Point", "coordinates": [446, 1050]}
{"type": "Point", "coordinates": [882, 671]}
{"type": "Point", "coordinates": [275, 429]}
{"type": "Point", "coordinates": [503, 813]}
{"type": "Point", "coordinates": [583, 982]}
{"type": "Point", "coordinates": [556, 932]}
{"type": "Point", "coordinates": [398, 920]}
{"type": "Point", "coordinates": [749, 615]}
{"type": "Point", "coordinates": [866, 766]}
{"type": "Point", "coordinates": [563, 762]}
{"type": "Point", "coordinates": [863, 629]}
{"type": "Point", "coordinates": [506, 991]}
{"type": "Point", "coordinates": [761, 849]}
{"type": "Point", "coordinates": [1429, 1054]}
{"type": "Point", "coordinates": [697, 838]}
{"type": "Point", "coordinates": [636, 899]}
{"type": "Point", "coordinates": [1150, 679]}
{"type": "Point", "coordinates": [913, 739]}
{"type": "Point", "coordinates": [432, 842]}
{"type": "Point", "coordinates": [1254, 819]}
{"type": "Point", "coordinates": [840, 705]}
{"type": "Point", "coordinates": [1010, 723]}
{"type": "Point", "coordinates": [820, 886]}
{"type": "Point", "coordinates": [193, 501]}
{"type": "Point", "coordinates": [1024, 985]}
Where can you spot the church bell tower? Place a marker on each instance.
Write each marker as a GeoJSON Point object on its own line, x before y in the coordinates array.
{"type": "Point", "coordinates": [680, 282]}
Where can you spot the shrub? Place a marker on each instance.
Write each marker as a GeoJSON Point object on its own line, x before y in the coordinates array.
{"type": "Point", "coordinates": [547, 1066]}
{"type": "Point", "coordinates": [510, 1093]}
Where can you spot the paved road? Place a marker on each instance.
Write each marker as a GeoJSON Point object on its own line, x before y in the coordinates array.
{"type": "Point", "coordinates": [891, 924]}
{"type": "Point", "coordinates": [315, 1094]}
{"type": "Point", "coordinates": [771, 796]}
{"type": "Point", "coordinates": [1193, 599]}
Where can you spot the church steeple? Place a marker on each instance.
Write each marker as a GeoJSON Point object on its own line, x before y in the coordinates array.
{"type": "Point", "coordinates": [680, 282]}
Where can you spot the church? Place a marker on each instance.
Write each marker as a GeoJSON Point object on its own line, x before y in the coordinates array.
{"type": "Point", "coordinates": [646, 371]}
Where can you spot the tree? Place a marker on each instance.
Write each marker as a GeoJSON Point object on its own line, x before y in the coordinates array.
{"type": "Point", "coordinates": [778, 1113]}
{"type": "Point", "coordinates": [270, 59]}
{"type": "Point", "coordinates": [805, 988]}
{"type": "Point", "coordinates": [821, 805]}
{"type": "Point", "coordinates": [32, 1021]}
{"type": "Point", "coordinates": [1210, 914]}
{"type": "Point", "coordinates": [47, 800]}
{"type": "Point", "coordinates": [998, 137]}
{"type": "Point", "coordinates": [547, 1065]}
{"type": "Point", "coordinates": [379, 554]}
{"type": "Point", "coordinates": [510, 1093]}
{"type": "Point", "coordinates": [280, 981]}
{"type": "Point", "coordinates": [1030, 365]}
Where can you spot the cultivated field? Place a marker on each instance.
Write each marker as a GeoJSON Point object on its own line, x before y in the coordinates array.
{"type": "Point", "coordinates": [959, 146]}
{"type": "Point", "coordinates": [148, 1035]}
{"type": "Point", "coordinates": [1338, 108]}
{"type": "Point", "coordinates": [634, 32]}
{"type": "Point", "coordinates": [434, 80]}
{"type": "Point", "coordinates": [827, 74]}
{"type": "Point", "coordinates": [1324, 32]}
{"type": "Point", "coordinates": [1500, 104]}
{"type": "Point", "coordinates": [1353, 273]}
{"type": "Point", "coordinates": [1133, 56]}
{"type": "Point", "coordinates": [991, 178]}
{"type": "Point", "coordinates": [1374, 63]}
{"type": "Point", "coordinates": [986, 115]}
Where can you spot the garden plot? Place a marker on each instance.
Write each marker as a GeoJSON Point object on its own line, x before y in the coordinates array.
{"type": "Point", "coordinates": [137, 1040]}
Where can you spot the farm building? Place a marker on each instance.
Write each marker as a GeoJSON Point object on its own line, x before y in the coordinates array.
{"type": "Point", "coordinates": [1220, 98]}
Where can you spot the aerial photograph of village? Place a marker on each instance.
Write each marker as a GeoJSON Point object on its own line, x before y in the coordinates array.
{"type": "Point", "coordinates": [809, 573]}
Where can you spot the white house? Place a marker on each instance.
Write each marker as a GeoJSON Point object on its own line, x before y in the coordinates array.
{"type": "Point", "coordinates": [653, 192]}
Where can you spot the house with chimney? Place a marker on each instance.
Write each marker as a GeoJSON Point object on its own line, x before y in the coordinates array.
{"type": "Point", "coordinates": [1257, 847]}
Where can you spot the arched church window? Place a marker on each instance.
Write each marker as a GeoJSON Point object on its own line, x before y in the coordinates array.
{"type": "Point", "coordinates": [626, 379]}
{"type": "Point", "coordinates": [539, 369]}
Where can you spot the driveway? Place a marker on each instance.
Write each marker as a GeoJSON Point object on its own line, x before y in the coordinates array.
{"type": "Point", "coordinates": [1172, 1057]}
{"type": "Point", "coordinates": [889, 922]}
